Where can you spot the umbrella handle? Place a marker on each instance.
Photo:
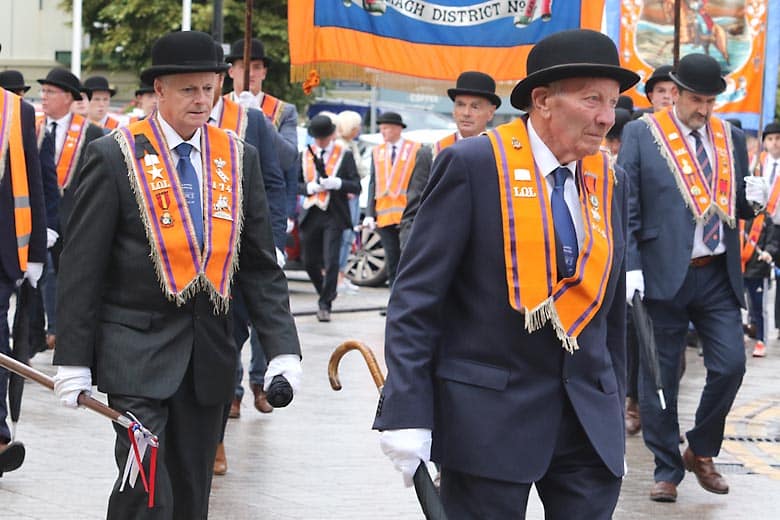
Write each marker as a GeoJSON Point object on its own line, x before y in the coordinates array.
{"type": "Point", "coordinates": [368, 356]}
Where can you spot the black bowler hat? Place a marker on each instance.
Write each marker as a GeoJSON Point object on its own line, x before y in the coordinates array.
{"type": "Point", "coordinates": [390, 118]}
{"type": "Point", "coordinates": [97, 84]}
{"type": "Point", "coordinates": [622, 116]}
{"type": "Point", "coordinates": [570, 54]}
{"type": "Point", "coordinates": [659, 74]}
{"type": "Point", "coordinates": [321, 126]}
{"type": "Point", "coordinates": [13, 80]}
{"type": "Point", "coordinates": [473, 83]}
{"type": "Point", "coordinates": [771, 128]}
{"type": "Point", "coordinates": [182, 52]}
{"type": "Point", "coordinates": [63, 79]}
{"type": "Point", "coordinates": [625, 102]}
{"type": "Point", "coordinates": [699, 73]}
{"type": "Point", "coordinates": [144, 88]}
{"type": "Point", "coordinates": [257, 52]}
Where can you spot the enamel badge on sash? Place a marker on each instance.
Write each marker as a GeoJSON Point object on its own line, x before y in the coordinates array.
{"type": "Point", "coordinates": [222, 205]}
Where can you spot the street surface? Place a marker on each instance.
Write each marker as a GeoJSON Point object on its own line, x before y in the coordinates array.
{"type": "Point", "coordinates": [319, 458]}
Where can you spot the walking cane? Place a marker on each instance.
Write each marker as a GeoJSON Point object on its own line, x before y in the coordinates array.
{"type": "Point", "coordinates": [427, 494]}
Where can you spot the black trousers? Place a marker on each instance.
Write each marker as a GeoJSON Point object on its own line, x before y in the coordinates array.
{"type": "Point", "coordinates": [392, 245]}
{"type": "Point", "coordinates": [321, 245]}
{"type": "Point", "coordinates": [188, 434]}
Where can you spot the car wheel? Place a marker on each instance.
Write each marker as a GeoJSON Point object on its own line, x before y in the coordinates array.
{"type": "Point", "coordinates": [366, 263]}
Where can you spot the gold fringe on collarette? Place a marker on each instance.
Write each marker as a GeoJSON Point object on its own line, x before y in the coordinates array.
{"type": "Point", "coordinates": [200, 282]}
{"type": "Point", "coordinates": [713, 208]}
{"type": "Point", "coordinates": [538, 317]}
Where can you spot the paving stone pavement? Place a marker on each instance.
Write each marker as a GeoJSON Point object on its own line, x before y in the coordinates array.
{"type": "Point", "coordinates": [319, 459]}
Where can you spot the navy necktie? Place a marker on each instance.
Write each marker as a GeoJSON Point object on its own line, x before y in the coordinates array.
{"type": "Point", "coordinates": [191, 188]}
{"type": "Point", "coordinates": [712, 225]}
{"type": "Point", "coordinates": [564, 224]}
{"type": "Point", "coordinates": [392, 156]}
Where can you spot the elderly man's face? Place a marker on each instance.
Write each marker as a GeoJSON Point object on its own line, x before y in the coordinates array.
{"type": "Point", "coordinates": [390, 132]}
{"type": "Point", "coordinates": [694, 110]}
{"type": "Point", "coordinates": [472, 114]}
{"type": "Point", "coordinates": [573, 116]}
{"type": "Point", "coordinates": [55, 101]}
{"type": "Point", "coordinates": [184, 100]}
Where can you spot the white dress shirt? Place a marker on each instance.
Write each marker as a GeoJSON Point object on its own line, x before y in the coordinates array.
{"type": "Point", "coordinates": [699, 249]}
{"type": "Point", "coordinates": [767, 169]}
{"type": "Point", "coordinates": [174, 139]}
{"type": "Point", "coordinates": [547, 164]}
{"type": "Point", "coordinates": [63, 126]}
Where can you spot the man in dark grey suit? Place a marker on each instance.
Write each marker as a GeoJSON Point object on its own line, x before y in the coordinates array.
{"type": "Point", "coordinates": [686, 169]}
{"type": "Point", "coordinates": [147, 272]}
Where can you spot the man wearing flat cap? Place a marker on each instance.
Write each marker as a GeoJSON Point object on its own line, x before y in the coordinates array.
{"type": "Point", "coordinates": [327, 173]}
{"type": "Point", "coordinates": [474, 104]}
{"type": "Point", "coordinates": [505, 339]}
{"type": "Point", "coordinates": [392, 163]}
{"type": "Point", "coordinates": [99, 93]}
{"type": "Point", "coordinates": [687, 170]}
{"type": "Point", "coordinates": [169, 215]}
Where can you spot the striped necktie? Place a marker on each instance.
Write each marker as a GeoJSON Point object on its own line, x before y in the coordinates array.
{"type": "Point", "coordinates": [711, 227]}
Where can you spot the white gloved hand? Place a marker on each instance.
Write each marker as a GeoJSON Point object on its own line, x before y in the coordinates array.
{"type": "Point", "coordinates": [51, 237]}
{"type": "Point", "coordinates": [287, 365]}
{"type": "Point", "coordinates": [290, 225]}
{"type": "Point", "coordinates": [33, 273]}
{"type": "Point", "coordinates": [756, 190]}
{"type": "Point", "coordinates": [635, 281]}
{"type": "Point", "coordinates": [69, 382]}
{"type": "Point", "coordinates": [763, 256]}
{"type": "Point", "coordinates": [331, 183]}
{"type": "Point", "coordinates": [280, 258]}
{"type": "Point", "coordinates": [248, 100]}
{"type": "Point", "coordinates": [369, 223]}
{"type": "Point", "coordinates": [314, 187]}
{"type": "Point", "coordinates": [406, 448]}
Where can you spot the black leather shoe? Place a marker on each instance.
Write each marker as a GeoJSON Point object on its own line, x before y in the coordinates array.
{"type": "Point", "coordinates": [11, 456]}
{"type": "Point", "coordinates": [323, 315]}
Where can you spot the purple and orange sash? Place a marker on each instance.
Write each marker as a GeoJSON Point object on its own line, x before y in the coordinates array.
{"type": "Point", "coordinates": [233, 117]}
{"type": "Point", "coordinates": [529, 237]}
{"type": "Point", "coordinates": [40, 122]}
{"type": "Point", "coordinates": [392, 179]}
{"type": "Point", "coordinates": [322, 198]}
{"type": "Point", "coordinates": [272, 108]}
{"type": "Point", "coordinates": [111, 123]}
{"type": "Point", "coordinates": [441, 144]}
{"type": "Point", "coordinates": [12, 144]}
{"type": "Point", "coordinates": [74, 141]}
{"type": "Point", "coordinates": [749, 237]}
{"type": "Point", "coordinates": [182, 268]}
{"type": "Point", "coordinates": [701, 198]}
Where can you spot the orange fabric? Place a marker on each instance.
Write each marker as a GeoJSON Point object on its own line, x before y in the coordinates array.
{"type": "Point", "coordinates": [702, 199]}
{"type": "Point", "coordinates": [446, 142]}
{"type": "Point", "coordinates": [111, 123]}
{"type": "Point", "coordinates": [322, 198]}
{"type": "Point", "coordinates": [11, 142]}
{"type": "Point", "coordinates": [749, 238]}
{"type": "Point", "coordinates": [180, 264]}
{"type": "Point", "coordinates": [74, 140]}
{"type": "Point", "coordinates": [392, 180]}
{"type": "Point", "coordinates": [233, 117]}
{"type": "Point", "coordinates": [529, 237]}
{"type": "Point", "coordinates": [272, 108]}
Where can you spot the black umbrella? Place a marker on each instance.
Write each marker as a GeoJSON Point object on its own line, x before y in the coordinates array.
{"type": "Point", "coordinates": [22, 351]}
{"type": "Point", "coordinates": [648, 351]}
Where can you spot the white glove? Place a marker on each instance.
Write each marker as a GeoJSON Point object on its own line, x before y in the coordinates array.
{"type": "Point", "coordinates": [406, 448]}
{"type": "Point", "coordinates": [369, 222]}
{"type": "Point", "coordinates": [51, 237]}
{"type": "Point", "coordinates": [635, 281]}
{"type": "Point", "coordinates": [331, 183]}
{"type": "Point", "coordinates": [248, 100]}
{"type": "Point", "coordinates": [290, 225]}
{"type": "Point", "coordinates": [280, 259]}
{"type": "Point", "coordinates": [763, 256]}
{"type": "Point", "coordinates": [314, 187]}
{"type": "Point", "coordinates": [287, 365]}
{"type": "Point", "coordinates": [69, 382]}
{"type": "Point", "coordinates": [756, 190]}
{"type": "Point", "coordinates": [33, 273]}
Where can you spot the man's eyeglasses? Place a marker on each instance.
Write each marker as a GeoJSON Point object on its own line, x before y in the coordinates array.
{"type": "Point", "coordinates": [51, 92]}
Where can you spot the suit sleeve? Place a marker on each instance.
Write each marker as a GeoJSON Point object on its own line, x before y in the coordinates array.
{"type": "Point", "coordinates": [616, 317]}
{"type": "Point", "coordinates": [51, 191]}
{"type": "Point", "coordinates": [744, 209]}
{"type": "Point", "coordinates": [273, 178]}
{"type": "Point", "coordinates": [350, 180]}
{"type": "Point", "coordinates": [371, 204]}
{"type": "Point", "coordinates": [420, 174]}
{"type": "Point", "coordinates": [629, 159]}
{"type": "Point", "coordinates": [37, 247]}
{"type": "Point", "coordinates": [260, 279]}
{"type": "Point", "coordinates": [286, 139]}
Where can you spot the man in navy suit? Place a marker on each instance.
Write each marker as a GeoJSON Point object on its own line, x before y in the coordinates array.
{"type": "Point", "coordinates": [686, 169]}
{"type": "Point", "coordinates": [505, 340]}
{"type": "Point", "coordinates": [22, 236]}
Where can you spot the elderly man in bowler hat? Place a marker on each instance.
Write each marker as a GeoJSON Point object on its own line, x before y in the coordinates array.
{"type": "Point", "coordinates": [505, 339]}
{"type": "Point", "coordinates": [392, 164]}
{"type": "Point", "coordinates": [170, 213]}
{"type": "Point", "coordinates": [474, 104]}
{"type": "Point", "coordinates": [327, 173]}
{"type": "Point", "coordinates": [687, 170]}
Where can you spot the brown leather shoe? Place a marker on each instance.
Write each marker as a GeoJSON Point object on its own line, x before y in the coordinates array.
{"type": "Point", "coordinates": [235, 408]}
{"type": "Point", "coordinates": [633, 419]}
{"type": "Point", "coordinates": [705, 472]}
{"type": "Point", "coordinates": [220, 462]}
{"type": "Point", "coordinates": [663, 492]}
{"type": "Point", "coordinates": [261, 402]}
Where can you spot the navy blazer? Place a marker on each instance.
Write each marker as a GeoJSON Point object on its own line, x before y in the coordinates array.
{"type": "Point", "coordinates": [259, 135]}
{"type": "Point", "coordinates": [459, 359]}
{"type": "Point", "coordinates": [660, 226]}
{"type": "Point", "coordinates": [51, 190]}
{"type": "Point", "coordinates": [9, 256]}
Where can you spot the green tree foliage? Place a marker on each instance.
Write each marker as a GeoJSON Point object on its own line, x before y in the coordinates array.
{"type": "Point", "coordinates": [121, 33]}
